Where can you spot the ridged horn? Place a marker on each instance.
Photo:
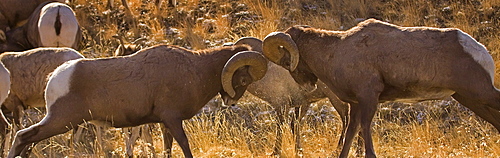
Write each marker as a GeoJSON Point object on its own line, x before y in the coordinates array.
{"type": "Point", "coordinates": [253, 42]}
{"type": "Point", "coordinates": [257, 68]}
{"type": "Point", "coordinates": [3, 38]}
{"type": "Point", "coordinates": [271, 46]}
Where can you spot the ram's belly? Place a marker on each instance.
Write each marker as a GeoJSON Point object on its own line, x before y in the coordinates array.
{"type": "Point", "coordinates": [414, 95]}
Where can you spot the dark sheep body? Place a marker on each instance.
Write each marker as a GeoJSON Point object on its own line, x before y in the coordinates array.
{"type": "Point", "coordinates": [377, 62]}
{"type": "Point", "coordinates": [161, 84]}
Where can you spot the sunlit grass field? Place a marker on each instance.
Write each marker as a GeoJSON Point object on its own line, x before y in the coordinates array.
{"type": "Point", "coordinates": [427, 129]}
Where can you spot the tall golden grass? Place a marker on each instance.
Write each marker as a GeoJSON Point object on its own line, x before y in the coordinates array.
{"type": "Point", "coordinates": [429, 129]}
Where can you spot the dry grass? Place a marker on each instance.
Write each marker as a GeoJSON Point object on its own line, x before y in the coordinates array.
{"type": "Point", "coordinates": [430, 129]}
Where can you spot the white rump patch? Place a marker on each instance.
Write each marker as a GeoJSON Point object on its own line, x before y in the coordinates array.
{"type": "Point", "coordinates": [478, 52]}
{"type": "Point", "coordinates": [47, 30]}
{"type": "Point", "coordinates": [4, 83]}
{"type": "Point", "coordinates": [59, 82]}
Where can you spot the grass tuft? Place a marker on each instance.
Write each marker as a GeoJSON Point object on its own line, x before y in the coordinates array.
{"type": "Point", "coordinates": [428, 129]}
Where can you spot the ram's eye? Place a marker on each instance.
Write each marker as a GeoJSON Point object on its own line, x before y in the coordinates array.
{"type": "Point", "coordinates": [244, 81]}
{"type": "Point", "coordinates": [287, 64]}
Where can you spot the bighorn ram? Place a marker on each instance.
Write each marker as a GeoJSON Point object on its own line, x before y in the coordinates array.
{"type": "Point", "coordinates": [160, 84]}
{"type": "Point", "coordinates": [378, 62]}
{"type": "Point", "coordinates": [279, 89]}
{"type": "Point", "coordinates": [52, 24]}
{"type": "Point", "coordinates": [28, 75]}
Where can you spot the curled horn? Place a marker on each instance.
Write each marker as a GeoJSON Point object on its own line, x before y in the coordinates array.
{"type": "Point", "coordinates": [253, 42]}
{"type": "Point", "coordinates": [3, 38]}
{"type": "Point", "coordinates": [277, 40]}
{"type": "Point", "coordinates": [257, 68]}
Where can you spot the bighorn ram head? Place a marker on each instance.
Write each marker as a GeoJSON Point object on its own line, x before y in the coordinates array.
{"type": "Point", "coordinates": [281, 49]}
{"type": "Point", "coordinates": [254, 73]}
{"type": "Point", "coordinates": [249, 67]}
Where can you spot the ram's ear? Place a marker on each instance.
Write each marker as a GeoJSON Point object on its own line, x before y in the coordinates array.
{"type": "Point", "coordinates": [246, 80]}
{"type": "Point", "coordinates": [3, 38]}
{"type": "Point", "coordinates": [276, 45]}
{"type": "Point", "coordinates": [253, 63]}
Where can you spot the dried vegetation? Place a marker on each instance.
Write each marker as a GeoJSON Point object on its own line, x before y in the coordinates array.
{"type": "Point", "coordinates": [428, 129]}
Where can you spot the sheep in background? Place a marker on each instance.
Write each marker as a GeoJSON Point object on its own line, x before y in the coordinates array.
{"type": "Point", "coordinates": [4, 92]}
{"type": "Point", "coordinates": [52, 24]}
{"type": "Point", "coordinates": [28, 75]}
{"type": "Point", "coordinates": [280, 90]}
{"type": "Point", "coordinates": [57, 26]}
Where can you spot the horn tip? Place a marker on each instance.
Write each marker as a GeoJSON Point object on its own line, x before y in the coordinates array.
{"type": "Point", "coordinates": [293, 67]}
{"type": "Point", "coordinates": [232, 94]}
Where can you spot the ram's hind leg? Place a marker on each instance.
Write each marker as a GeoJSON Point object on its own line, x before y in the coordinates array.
{"type": "Point", "coordinates": [132, 134]}
{"type": "Point", "coordinates": [481, 108]}
{"type": "Point", "coordinates": [147, 134]}
{"type": "Point", "coordinates": [296, 124]}
{"type": "Point", "coordinates": [342, 109]}
{"type": "Point", "coordinates": [476, 91]}
{"type": "Point", "coordinates": [279, 131]}
{"type": "Point", "coordinates": [168, 139]}
{"type": "Point", "coordinates": [52, 124]}
{"type": "Point", "coordinates": [351, 131]}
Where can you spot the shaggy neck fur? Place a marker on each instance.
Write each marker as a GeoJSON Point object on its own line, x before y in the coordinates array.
{"type": "Point", "coordinates": [209, 64]}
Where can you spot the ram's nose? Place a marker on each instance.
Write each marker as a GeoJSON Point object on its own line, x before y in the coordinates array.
{"type": "Point", "coordinates": [228, 101]}
{"type": "Point", "coordinates": [309, 87]}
